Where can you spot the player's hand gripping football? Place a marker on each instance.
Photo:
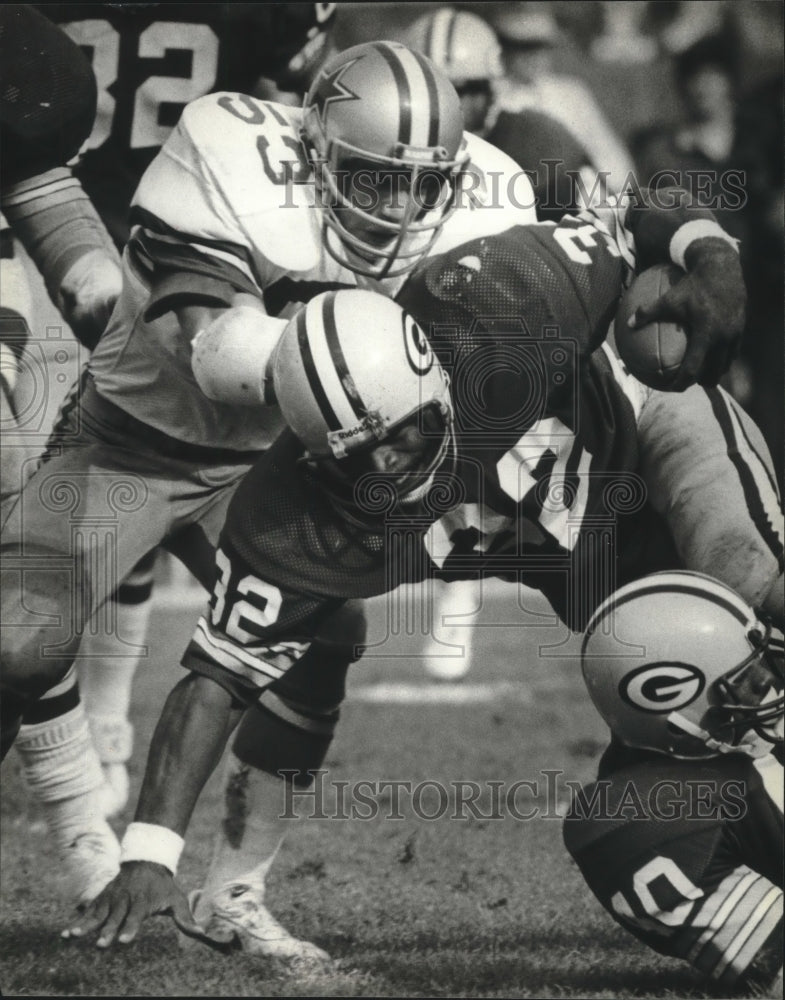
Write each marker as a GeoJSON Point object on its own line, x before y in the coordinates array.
{"type": "Point", "coordinates": [709, 303]}
{"type": "Point", "coordinates": [140, 890]}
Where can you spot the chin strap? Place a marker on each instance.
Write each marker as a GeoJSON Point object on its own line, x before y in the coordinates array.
{"type": "Point", "coordinates": [679, 721]}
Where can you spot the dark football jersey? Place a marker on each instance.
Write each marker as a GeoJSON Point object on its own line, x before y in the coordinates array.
{"type": "Point", "coordinates": [48, 99]}
{"type": "Point", "coordinates": [546, 453]}
{"type": "Point", "coordinates": [545, 421]}
{"type": "Point", "coordinates": [687, 856]}
{"type": "Point", "coordinates": [151, 59]}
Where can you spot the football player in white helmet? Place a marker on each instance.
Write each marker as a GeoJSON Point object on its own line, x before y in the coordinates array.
{"type": "Point", "coordinates": [46, 121]}
{"type": "Point", "coordinates": [392, 415]}
{"type": "Point", "coordinates": [387, 170]}
{"type": "Point", "coordinates": [681, 838]}
{"type": "Point", "coordinates": [293, 550]}
{"type": "Point", "coordinates": [243, 215]}
{"type": "Point", "coordinates": [678, 663]}
{"type": "Point", "coordinates": [465, 47]}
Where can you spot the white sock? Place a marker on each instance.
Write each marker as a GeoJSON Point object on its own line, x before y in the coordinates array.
{"type": "Point", "coordinates": [111, 649]}
{"type": "Point", "coordinates": [63, 772]}
{"type": "Point", "coordinates": [250, 833]}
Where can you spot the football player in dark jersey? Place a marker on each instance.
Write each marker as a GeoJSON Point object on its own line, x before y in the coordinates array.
{"type": "Point", "coordinates": [151, 59]}
{"type": "Point", "coordinates": [681, 836]}
{"type": "Point", "coordinates": [537, 459]}
{"type": "Point", "coordinates": [148, 60]}
{"type": "Point", "coordinates": [46, 113]}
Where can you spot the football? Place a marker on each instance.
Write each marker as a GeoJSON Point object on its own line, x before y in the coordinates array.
{"type": "Point", "coordinates": [654, 352]}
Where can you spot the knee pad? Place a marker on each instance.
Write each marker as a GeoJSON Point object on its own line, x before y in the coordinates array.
{"type": "Point", "coordinates": [318, 680]}
{"type": "Point", "coordinates": [292, 725]}
{"type": "Point", "coordinates": [26, 674]}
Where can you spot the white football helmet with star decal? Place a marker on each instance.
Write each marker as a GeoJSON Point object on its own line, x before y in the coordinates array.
{"type": "Point", "coordinates": [678, 662]}
{"type": "Point", "coordinates": [383, 129]}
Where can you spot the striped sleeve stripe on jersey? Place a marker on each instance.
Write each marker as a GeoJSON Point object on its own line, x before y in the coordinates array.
{"type": "Point", "coordinates": [148, 220]}
{"type": "Point", "coordinates": [741, 952]}
{"type": "Point", "coordinates": [724, 913]}
{"type": "Point", "coordinates": [759, 463]}
{"type": "Point", "coordinates": [159, 235]}
{"type": "Point", "coordinates": [55, 189]}
{"type": "Point", "coordinates": [149, 250]}
{"type": "Point", "coordinates": [610, 218]}
{"type": "Point", "coordinates": [753, 476]}
{"type": "Point", "coordinates": [232, 657]}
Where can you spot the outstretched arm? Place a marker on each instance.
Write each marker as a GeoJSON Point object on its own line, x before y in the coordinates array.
{"type": "Point", "coordinates": [195, 724]}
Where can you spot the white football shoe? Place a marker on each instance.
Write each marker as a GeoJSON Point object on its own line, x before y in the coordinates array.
{"type": "Point", "coordinates": [236, 910]}
{"type": "Point", "coordinates": [89, 862]}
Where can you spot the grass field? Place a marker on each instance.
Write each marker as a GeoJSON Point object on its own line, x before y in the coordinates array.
{"type": "Point", "coordinates": [407, 907]}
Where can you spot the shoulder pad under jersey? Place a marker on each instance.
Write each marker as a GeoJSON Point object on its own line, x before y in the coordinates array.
{"type": "Point", "coordinates": [234, 170]}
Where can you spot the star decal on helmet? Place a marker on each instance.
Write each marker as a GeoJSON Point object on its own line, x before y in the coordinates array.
{"type": "Point", "coordinates": [331, 90]}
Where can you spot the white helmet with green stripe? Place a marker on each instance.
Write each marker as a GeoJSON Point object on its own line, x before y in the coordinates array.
{"type": "Point", "coordinates": [349, 371]}
{"type": "Point", "coordinates": [678, 662]}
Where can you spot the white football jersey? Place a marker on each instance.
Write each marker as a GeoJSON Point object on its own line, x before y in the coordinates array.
{"type": "Point", "coordinates": [229, 204]}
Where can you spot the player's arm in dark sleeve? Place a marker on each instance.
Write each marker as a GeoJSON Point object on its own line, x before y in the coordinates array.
{"type": "Point", "coordinates": [46, 117]}
{"type": "Point", "coordinates": [710, 301]}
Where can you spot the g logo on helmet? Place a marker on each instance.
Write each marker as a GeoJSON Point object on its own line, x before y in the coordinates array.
{"type": "Point", "coordinates": [662, 687]}
{"type": "Point", "coordinates": [419, 353]}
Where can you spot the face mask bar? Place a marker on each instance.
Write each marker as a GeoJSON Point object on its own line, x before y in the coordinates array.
{"type": "Point", "coordinates": [339, 477]}
{"type": "Point", "coordinates": [735, 715]}
{"type": "Point", "coordinates": [424, 215]}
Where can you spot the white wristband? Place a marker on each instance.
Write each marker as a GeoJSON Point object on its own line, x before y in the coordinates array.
{"type": "Point", "coordinates": [696, 230]}
{"type": "Point", "coordinates": [150, 842]}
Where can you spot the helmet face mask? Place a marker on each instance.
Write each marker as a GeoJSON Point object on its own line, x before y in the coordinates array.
{"type": "Point", "coordinates": [403, 460]}
{"type": "Point", "coordinates": [751, 694]}
{"type": "Point", "coordinates": [384, 133]}
{"type": "Point", "coordinates": [678, 663]}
